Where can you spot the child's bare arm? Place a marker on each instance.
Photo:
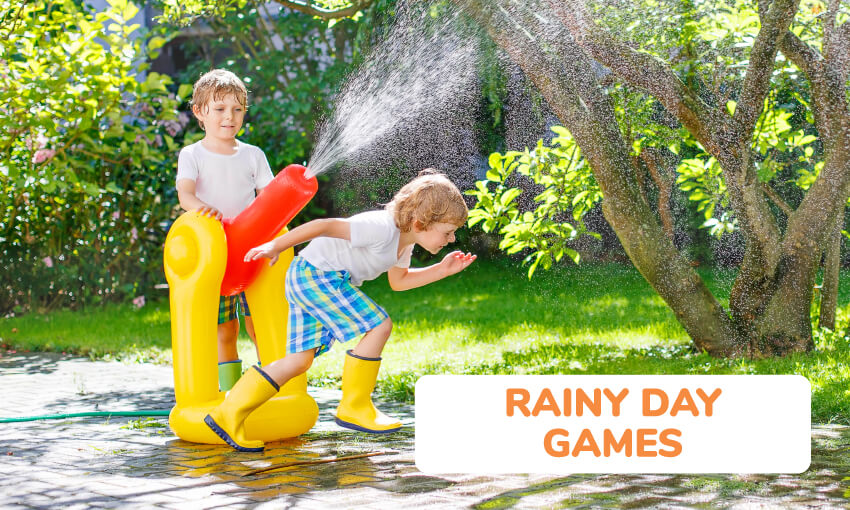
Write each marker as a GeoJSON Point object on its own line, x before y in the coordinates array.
{"type": "Point", "coordinates": [190, 202]}
{"type": "Point", "coordinates": [328, 227]}
{"type": "Point", "coordinates": [410, 278]}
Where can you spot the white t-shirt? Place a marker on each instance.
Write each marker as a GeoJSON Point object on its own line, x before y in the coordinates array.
{"type": "Point", "coordinates": [227, 182]}
{"type": "Point", "coordinates": [372, 251]}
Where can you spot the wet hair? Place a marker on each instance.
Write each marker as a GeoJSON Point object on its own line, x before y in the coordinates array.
{"type": "Point", "coordinates": [429, 198]}
{"type": "Point", "coordinates": [215, 85]}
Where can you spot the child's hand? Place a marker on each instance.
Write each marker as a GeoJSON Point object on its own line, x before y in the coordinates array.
{"type": "Point", "coordinates": [456, 261]}
{"type": "Point", "coordinates": [212, 212]}
{"type": "Point", "coordinates": [266, 250]}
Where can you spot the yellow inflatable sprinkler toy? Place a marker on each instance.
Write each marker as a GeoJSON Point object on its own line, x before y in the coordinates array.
{"type": "Point", "coordinates": [204, 258]}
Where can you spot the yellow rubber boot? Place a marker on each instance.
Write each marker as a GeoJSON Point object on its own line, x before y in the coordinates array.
{"type": "Point", "coordinates": [227, 420]}
{"type": "Point", "coordinates": [356, 410]}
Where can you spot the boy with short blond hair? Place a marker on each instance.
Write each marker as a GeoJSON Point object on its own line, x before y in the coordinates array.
{"type": "Point", "coordinates": [326, 305]}
{"type": "Point", "coordinates": [220, 176]}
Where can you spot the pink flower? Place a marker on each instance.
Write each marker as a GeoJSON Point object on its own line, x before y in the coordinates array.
{"type": "Point", "coordinates": [47, 261]}
{"type": "Point", "coordinates": [139, 301]}
{"type": "Point", "coordinates": [40, 142]}
{"type": "Point", "coordinates": [134, 234]}
{"type": "Point", "coordinates": [116, 215]}
{"type": "Point", "coordinates": [42, 155]}
{"type": "Point", "coordinates": [172, 127]}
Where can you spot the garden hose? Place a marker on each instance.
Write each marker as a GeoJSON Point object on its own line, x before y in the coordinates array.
{"type": "Point", "coordinates": [150, 412]}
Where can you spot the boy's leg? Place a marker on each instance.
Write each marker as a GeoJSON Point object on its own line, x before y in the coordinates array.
{"type": "Point", "coordinates": [249, 327]}
{"type": "Point", "coordinates": [359, 374]}
{"type": "Point", "coordinates": [289, 366]}
{"type": "Point", "coordinates": [249, 323]}
{"type": "Point", "coordinates": [372, 343]}
{"type": "Point", "coordinates": [229, 364]}
{"type": "Point", "coordinates": [227, 420]}
{"type": "Point", "coordinates": [345, 312]}
{"type": "Point", "coordinates": [227, 334]}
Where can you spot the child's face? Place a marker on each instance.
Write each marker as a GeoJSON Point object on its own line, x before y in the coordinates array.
{"type": "Point", "coordinates": [222, 118]}
{"type": "Point", "coordinates": [435, 237]}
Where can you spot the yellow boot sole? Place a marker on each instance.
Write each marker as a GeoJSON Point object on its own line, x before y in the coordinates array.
{"type": "Point", "coordinates": [220, 432]}
{"type": "Point", "coordinates": [354, 426]}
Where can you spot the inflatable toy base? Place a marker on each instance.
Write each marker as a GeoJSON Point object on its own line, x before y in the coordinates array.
{"type": "Point", "coordinates": [282, 417]}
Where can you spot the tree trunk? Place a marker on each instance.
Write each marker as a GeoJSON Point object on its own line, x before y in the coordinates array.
{"type": "Point", "coordinates": [831, 266]}
{"type": "Point", "coordinates": [785, 325]}
{"type": "Point", "coordinates": [663, 174]}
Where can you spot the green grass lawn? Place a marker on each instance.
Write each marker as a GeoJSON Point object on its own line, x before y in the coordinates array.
{"type": "Point", "coordinates": [590, 319]}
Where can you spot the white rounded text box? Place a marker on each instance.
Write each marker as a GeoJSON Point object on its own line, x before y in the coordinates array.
{"type": "Point", "coordinates": [613, 424]}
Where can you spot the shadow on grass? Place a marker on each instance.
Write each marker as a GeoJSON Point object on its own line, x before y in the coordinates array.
{"type": "Point", "coordinates": [491, 300]}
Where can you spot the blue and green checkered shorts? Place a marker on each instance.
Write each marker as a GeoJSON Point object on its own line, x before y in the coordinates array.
{"type": "Point", "coordinates": [325, 307]}
{"type": "Point", "coordinates": [229, 306]}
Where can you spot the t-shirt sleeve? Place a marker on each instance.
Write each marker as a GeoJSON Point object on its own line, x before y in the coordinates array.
{"type": "Point", "coordinates": [263, 175]}
{"type": "Point", "coordinates": [404, 260]}
{"type": "Point", "coordinates": [187, 168]}
{"type": "Point", "coordinates": [369, 230]}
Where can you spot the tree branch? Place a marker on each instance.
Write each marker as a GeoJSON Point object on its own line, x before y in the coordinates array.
{"type": "Point", "coordinates": [839, 52]}
{"type": "Point", "coordinates": [309, 7]}
{"type": "Point", "coordinates": [641, 70]}
{"type": "Point", "coordinates": [520, 46]}
{"type": "Point", "coordinates": [662, 170]}
{"type": "Point", "coordinates": [777, 199]}
{"type": "Point", "coordinates": [829, 104]}
{"type": "Point", "coordinates": [775, 24]}
{"type": "Point", "coordinates": [808, 59]}
{"type": "Point", "coordinates": [828, 21]}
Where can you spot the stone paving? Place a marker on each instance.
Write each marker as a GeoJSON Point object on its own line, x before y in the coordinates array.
{"type": "Point", "coordinates": [139, 463]}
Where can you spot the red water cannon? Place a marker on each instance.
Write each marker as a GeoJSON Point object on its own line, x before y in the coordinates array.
{"type": "Point", "coordinates": [272, 210]}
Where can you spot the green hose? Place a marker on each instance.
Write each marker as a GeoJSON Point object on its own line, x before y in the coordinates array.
{"type": "Point", "coordinates": [152, 412]}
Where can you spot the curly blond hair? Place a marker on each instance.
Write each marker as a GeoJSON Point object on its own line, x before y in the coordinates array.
{"type": "Point", "coordinates": [429, 198]}
{"type": "Point", "coordinates": [218, 84]}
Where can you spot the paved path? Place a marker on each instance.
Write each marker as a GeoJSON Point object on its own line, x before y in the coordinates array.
{"type": "Point", "coordinates": [132, 462]}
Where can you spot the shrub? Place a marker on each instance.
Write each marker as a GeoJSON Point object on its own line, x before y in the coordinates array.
{"type": "Point", "coordinates": [543, 230]}
{"type": "Point", "coordinates": [88, 147]}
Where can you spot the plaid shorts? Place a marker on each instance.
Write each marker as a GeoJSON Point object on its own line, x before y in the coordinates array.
{"type": "Point", "coordinates": [325, 307]}
{"type": "Point", "coordinates": [228, 307]}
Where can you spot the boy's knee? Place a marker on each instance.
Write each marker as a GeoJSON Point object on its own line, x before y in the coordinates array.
{"type": "Point", "coordinates": [384, 329]}
{"type": "Point", "coordinates": [386, 326]}
{"type": "Point", "coordinates": [229, 330]}
{"type": "Point", "coordinates": [302, 363]}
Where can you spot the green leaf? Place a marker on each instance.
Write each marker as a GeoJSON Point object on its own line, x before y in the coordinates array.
{"type": "Point", "coordinates": [184, 91]}
{"type": "Point", "coordinates": [509, 195]}
{"type": "Point", "coordinates": [156, 42]}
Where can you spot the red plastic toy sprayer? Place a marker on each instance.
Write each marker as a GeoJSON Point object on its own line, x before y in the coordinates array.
{"type": "Point", "coordinates": [272, 210]}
